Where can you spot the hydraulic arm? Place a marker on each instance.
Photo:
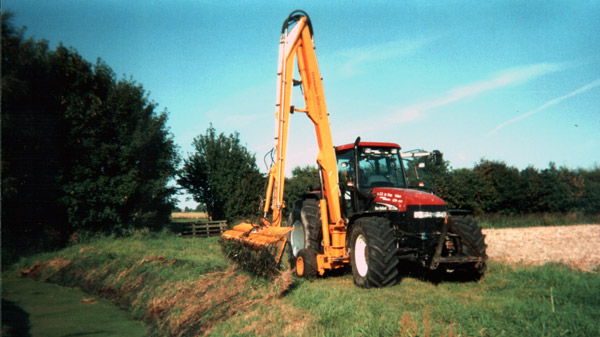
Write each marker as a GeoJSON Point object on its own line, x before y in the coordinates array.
{"type": "Point", "coordinates": [296, 44]}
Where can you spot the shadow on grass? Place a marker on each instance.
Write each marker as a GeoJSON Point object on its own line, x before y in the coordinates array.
{"type": "Point", "coordinates": [438, 276]}
{"type": "Point", "coordinates": [15, 321]}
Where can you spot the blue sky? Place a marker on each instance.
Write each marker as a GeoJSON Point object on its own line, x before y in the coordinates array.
{"type": "Point", "coordinates": [517, 81]}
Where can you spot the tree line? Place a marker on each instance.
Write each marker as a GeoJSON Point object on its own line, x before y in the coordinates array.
{"type": "Point", "coordinates": [81, 149]}
{"type": "Point", "coordinates": [495, 187]}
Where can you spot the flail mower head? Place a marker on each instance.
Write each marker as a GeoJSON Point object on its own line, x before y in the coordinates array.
{"type": "Point", "coordinates": [257, 249]}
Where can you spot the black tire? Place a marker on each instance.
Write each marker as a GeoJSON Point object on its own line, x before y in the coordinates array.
{"type": "Point", "coordinates": [306, 263]}
{"type": "Point", "coordinates": [373, 253]}
{"type": "Point", "coordinates": [307, 233]}
{"type": "Point", "coordinates": [469, 230]}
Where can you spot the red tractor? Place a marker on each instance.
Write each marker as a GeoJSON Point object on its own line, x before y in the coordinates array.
{"type": "Point", "coordinates": [391, 216]}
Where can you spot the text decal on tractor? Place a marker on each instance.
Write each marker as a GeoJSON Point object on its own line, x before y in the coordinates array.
{"type": "Point", "coordinates": [366, 213]}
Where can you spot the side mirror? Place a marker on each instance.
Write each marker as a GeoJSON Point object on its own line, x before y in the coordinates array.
{"type": "Point", "coordinates": [437, 157]}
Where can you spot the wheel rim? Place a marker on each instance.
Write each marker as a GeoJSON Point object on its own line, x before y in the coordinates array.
{"type": "Point", "coordinates": [360, 256]}
{"type": "Point", "coordinates": [300, 266]}
{"type": "Point", "coordinates": [297, 237]}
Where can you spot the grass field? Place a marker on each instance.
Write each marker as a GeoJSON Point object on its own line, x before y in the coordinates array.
{"type": "Point", "coordinates": [181, 286]}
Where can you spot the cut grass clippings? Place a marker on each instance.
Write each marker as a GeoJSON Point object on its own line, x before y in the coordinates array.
{"type": "Point", "coordinates": [181, 287]}
{"type": "Point", "coordinates": [259, 261]}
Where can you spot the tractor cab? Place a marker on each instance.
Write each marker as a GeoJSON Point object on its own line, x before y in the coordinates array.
{"type": "Point", "coordinates": [370, 165]}
{"type": "Point", "coordinates": [418, 167]}
{"type": "Point", "coordinates": [373, 178]}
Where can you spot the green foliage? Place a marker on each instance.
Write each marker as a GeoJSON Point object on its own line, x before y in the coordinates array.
{"type": "Point", "coordinates": [591, 194]}
{"type": "Point", "coordinates": [302, 181]}
{"type": "Point", "coordinates": [223, 175]}
{"type": "Point", "coordinates": [81, 151]}
{"type": "Point", "coordinates": [495, 187]}
{"type": "Point", "coordinates": [561, 189]}
{"type": "Point", "coordinates": [500, 184]}
{"type": "Point", "coordinates": [125, 156]}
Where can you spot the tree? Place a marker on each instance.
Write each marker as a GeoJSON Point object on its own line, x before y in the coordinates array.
{"type": "Point", "coordinates": [463, 190]}
{"type": "Point", "coordinates": [31, 143]}
{"type": "Point", "coordinates": [80, 150]}
{"type": "Point", "coordinates": [222, 174]}
{"type": "Point", "coordinates": [590, 202]}
{"type": "Point", "coordinates": [501, 187]}
{"type": "Point", "coordinates": [303, 179]}
{"type": "Point", "coordinates": [200, 208]}
{"type": "Point", "coordinates": [531, 187]}
{"type": "Point", "coordinates": [126, 156]}
{"type": "Point", "coordinates": [561, 189]}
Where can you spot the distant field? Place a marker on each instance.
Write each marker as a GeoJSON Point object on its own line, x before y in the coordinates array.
{"type": "Point", "coordinates": [189, 215]}
{"type": "Point", "coordinates": [577, 246]}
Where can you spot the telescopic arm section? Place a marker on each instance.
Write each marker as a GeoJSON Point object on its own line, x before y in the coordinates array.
{"type": "Point", "coordinates": [296, 43]}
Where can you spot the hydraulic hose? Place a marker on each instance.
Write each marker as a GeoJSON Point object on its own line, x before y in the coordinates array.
{"type": "Point", "coordinates": [294, 17]}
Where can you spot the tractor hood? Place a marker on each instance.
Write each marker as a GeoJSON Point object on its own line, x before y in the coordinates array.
{"type": "Point", "coordinates": [400, 198]}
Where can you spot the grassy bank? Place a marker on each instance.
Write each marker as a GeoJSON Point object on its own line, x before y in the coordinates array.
{"type": "Point", "coordinates": [535, 220]}
{"type": "Point", "coordinates": [181, 286]}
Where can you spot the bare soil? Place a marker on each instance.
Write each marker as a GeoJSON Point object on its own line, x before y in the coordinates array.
{"type": "Point", "coordinates": [577, 246]}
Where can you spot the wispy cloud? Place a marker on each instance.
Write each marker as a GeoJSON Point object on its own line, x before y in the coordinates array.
{"type": "Point", "coordinates": [548, 104]}
{"type": "Point", "coordinates": [355, 58]}
{"type": "Point", "coordinates": [508, 77]}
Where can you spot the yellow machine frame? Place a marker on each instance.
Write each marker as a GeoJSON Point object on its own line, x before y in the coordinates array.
{"type": "Point", "coordinates": [296, 44]}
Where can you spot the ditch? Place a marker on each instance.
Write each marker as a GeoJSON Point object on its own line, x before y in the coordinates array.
{"type": "Point", "coordinates": [32, 308]}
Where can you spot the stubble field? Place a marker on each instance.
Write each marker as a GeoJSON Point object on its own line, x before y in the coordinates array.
{"type": "Point", "coordinates": [577, 246]}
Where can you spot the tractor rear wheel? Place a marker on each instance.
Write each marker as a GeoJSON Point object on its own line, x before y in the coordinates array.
{"type": "Point", "coordinates": [306, 220]}
{"type": "Point", "coordinates": [471, 232]}
{"type": "Point", "coordinates": [306, 263]}
{"type": "Point", "coordinates": [373, 253]}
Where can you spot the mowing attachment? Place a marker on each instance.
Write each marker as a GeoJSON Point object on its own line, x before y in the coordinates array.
{"type": "Point", "coordinates": [257, 249]}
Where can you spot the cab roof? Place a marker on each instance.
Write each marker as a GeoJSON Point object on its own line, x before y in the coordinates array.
{"type": "Point", "coordinates": [367, 144]}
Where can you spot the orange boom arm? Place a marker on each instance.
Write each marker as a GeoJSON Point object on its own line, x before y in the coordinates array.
{"type": "Point", "coordinates": [298, 43]}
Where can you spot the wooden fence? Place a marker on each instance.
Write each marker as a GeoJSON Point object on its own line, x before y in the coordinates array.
{"type": "Point", "coordinates": [205, 228]}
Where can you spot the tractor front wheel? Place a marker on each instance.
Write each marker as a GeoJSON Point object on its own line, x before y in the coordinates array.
{"type": "Point", "coordinates": [373, 253]}
{"type": "Point", "coordinates": [475, 244]}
